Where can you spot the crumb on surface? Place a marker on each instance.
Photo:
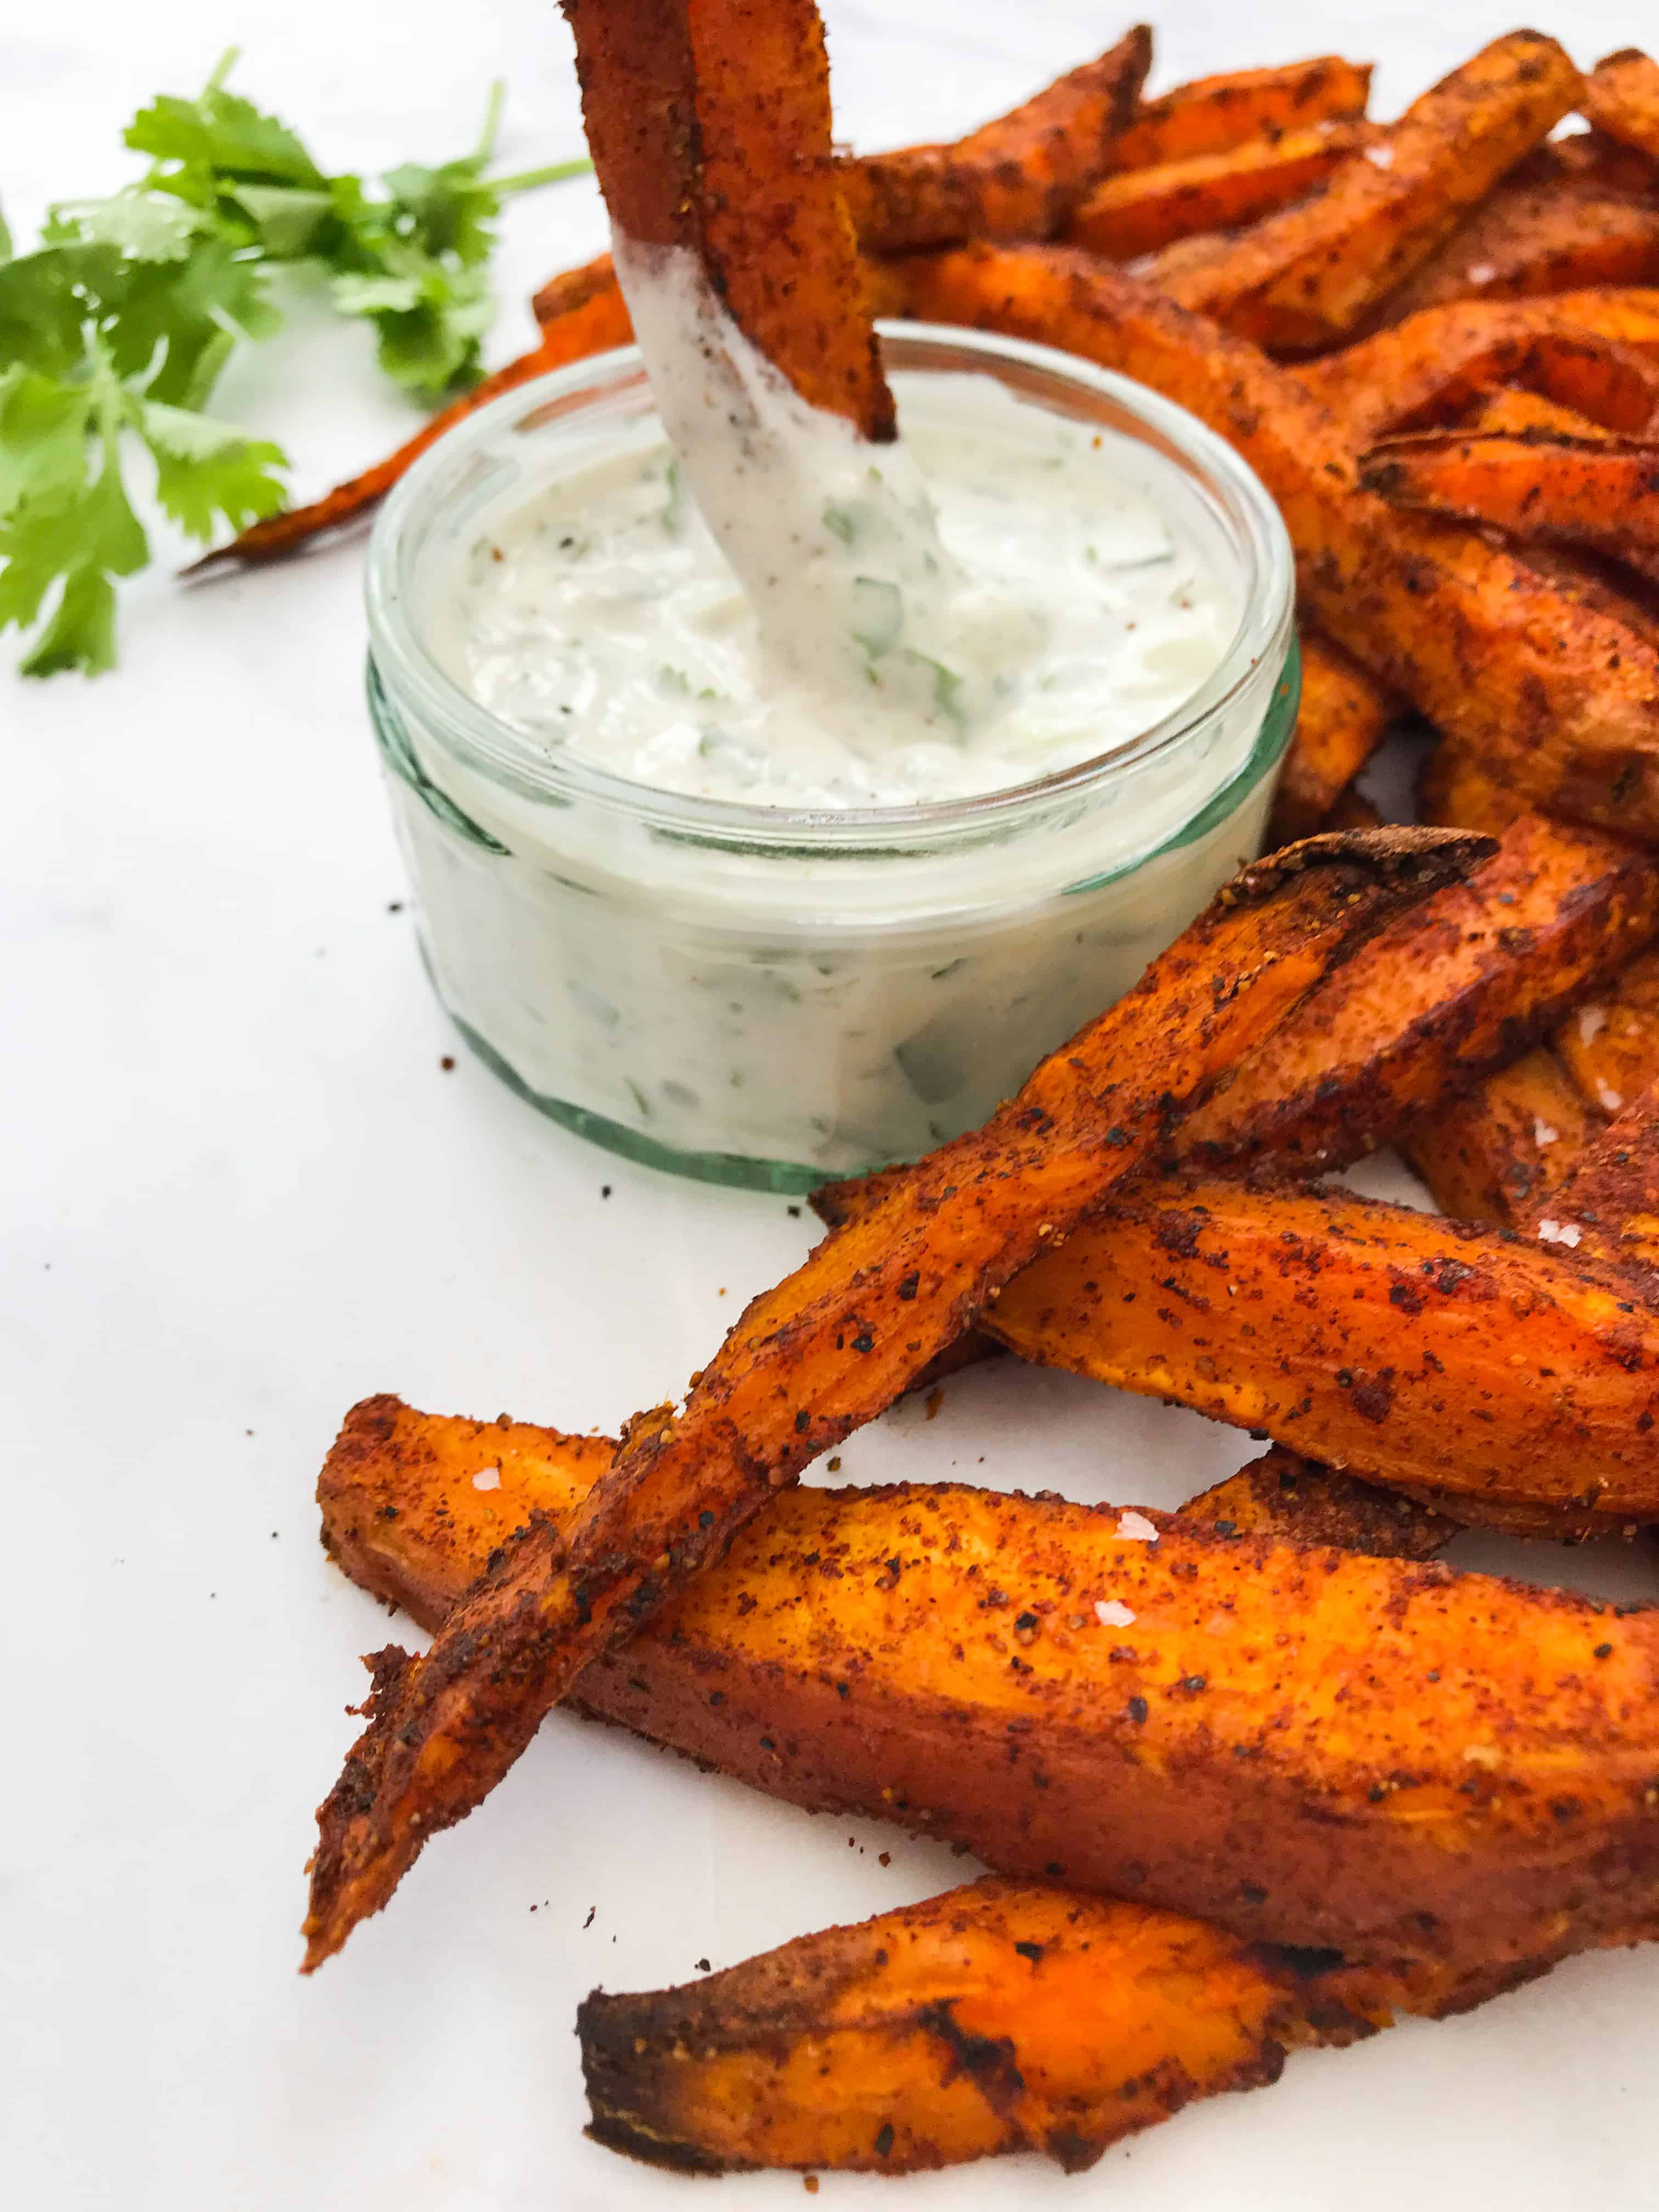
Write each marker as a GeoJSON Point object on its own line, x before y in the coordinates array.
{"type": "Point", "coordinates": [934, 1400]}
{"type": "Point", "coordinates": [447, 1062]}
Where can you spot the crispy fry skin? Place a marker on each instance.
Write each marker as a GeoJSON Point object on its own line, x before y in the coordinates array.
{"type": "Point", "coordinates": [1507, 412]}
{"type": "Point", "coordinates": [1294, 1500]}
{"type": "Point", "coordinates": [1374, 1338]}
{"type": "Point", "coordinates": [839, 1341]}
{"type": "Point", "coordinates": [1306, 277]}
{"type": "Point", "coordinates": [1621, 97]}
{"type": "Point", "coordinates": [1000, 2016]}
{"type": "Point", "coordinates": [1610, 1044]}
{"type": "Point", "coordinates": [1566, 708]}
{"type": "Point", "coordinates": [1268, 1744]}
{"type": "Point", "coordinates": [1343, 716]}
{"type": "Point", "coordinates": [708, 122]}
{"type": "Point", "coordinates": [1601, 491]}
{"type": "Point", "coordinates": [1492, 1156]}
{"type": "Point", "coordinates": [1529, 240]}
{"type": "Point", "coordinates": [1611, 1197]}
{"type": "Point", "coordinates": [589, 318]}
{"type": "Point", "coordinates": [1136, 211]}
{"type": "Point", "coordinates": [1431, 368]}
{"type": "Point", "coordinates": [1214, 114]}
{"type": "Point", "coordinates": [1594, 161]}
{"type": "Point", "coordinates": [1019, 177]}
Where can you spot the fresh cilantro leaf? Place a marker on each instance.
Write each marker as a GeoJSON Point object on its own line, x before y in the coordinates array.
{"type": "Point", "coordinates": [83, 534]}
{"type": "Point", "coordinates": [82, 631]}
{"type": "Point", "coordinates": [140, 225]}
{"type": "Point", "coordinates": [40, 314]}
{"type": "Point", "coordinates": [286, 219]}
{"type": "Point", "coordinates": [166, 317]}
{"type": "Point", "coordinates": [43, 434]}
{"type": "Point", "coordinates": [222, 132]}
{"type": "Point", "coordinates": [205, 469]}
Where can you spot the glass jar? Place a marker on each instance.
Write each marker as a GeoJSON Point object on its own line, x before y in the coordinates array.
{"type": "Point", "coordinates": [768, 998]}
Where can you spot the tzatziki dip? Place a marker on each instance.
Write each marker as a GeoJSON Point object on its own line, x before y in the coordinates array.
{"type": "Point", "coordinates": [779, 855]}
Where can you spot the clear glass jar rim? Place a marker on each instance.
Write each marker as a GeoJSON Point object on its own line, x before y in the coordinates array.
{"type": "Point", "coordinates": [415, 677]}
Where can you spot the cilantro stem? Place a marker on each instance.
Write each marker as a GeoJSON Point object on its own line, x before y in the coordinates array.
{"type": "Point", "coordinates": [222, 69]}
{"type": "Point", "coordinates": [492, 122]}
{"type": "Point", "coordinates": [527, 180]}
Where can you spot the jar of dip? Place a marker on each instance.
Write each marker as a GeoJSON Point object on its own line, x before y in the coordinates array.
{"type": "Point", "coordinates": [772, 994]}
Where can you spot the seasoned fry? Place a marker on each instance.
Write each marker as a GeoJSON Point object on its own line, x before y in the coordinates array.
{"type": "Point", "coordinates": [1610, 1044]}
{"type": "Point", "coordinates": [839, 1341]}
{"type": "Point", "coordinates": [1019, 177]}
{"type": "Point", "coordinates": [1214, 114]}
{"type": "Point", "coordinates": [1304, 278]}
{"type": "Point", "coordinates": [710, 131]}
{"type": "Point", "coordinates": [1002, 2017]}
{"type": "Point", "coordinates": [1512, 411]}
{"type": "Point", "coordinates": [1528, 239]}
{"type": "Point", "coordinates": [1621, 97]}
{"type": "Point", "coordinates": [1136, 211]}
{"type": "Point", "coordinates": [1601, 491]}
{"type": "Point", "coordinates": [1432, 367]}
{"type": "Point", "coordinates": [1609, 1206]}
{"type": "Point", "coordinates": [1343, 716]}
{"type": "Point", "coordinates": [1371, 1337]}
{"type": "Point", "coordinates": [1494, 1155]}
{"type": "Point", "coordinates": [1296, 1501]}
{"type": "Point", "coordinates": [587, 317]}
{"type": "Point", "coordinates": [1566, 709]}
{"type": "Point", "coordinates": [1594, 161]}
{"type": "Point", "coordinates": [1441, 995]}
{"type": "Point", "coordinates": [1278, 1741]}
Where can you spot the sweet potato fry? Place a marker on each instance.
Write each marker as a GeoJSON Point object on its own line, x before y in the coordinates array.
{"type": "Point", "coordinates": [1607, 1207]}
{"type": "Point", "coordinates": [839, 1341]}
{"type": "Point", "coordinates": [1000, 2016]}
{"type": "Point", "coordinates": [1405, 1349]}
{"type": "Point", "coordinates": [1603, 490]}
{"type": "Point", "coordinates": [1621, 97]}
{"type": "Point", "coordinates": [1530, 239]}
{"type": "Point", "coordinates": [1566, 709]}
{"type": "Point", "coordinates": [1019, 177]}
{"type": "Point", "coordinates": [1296, 1501]}
{"type": "Point", "coordinates": [1609, 1044]}
{"type": "Point", "coordinates": [1494, 1155]}
{"type": "Point", "coordinates": [1304, 278]}
{"type": "Point", "coordinates": [709, 126]}
{"type": "Point", "coordinates": [1136, 211]}
{"type": "Point", "coordinates": [1343, 716]}
{"type": "Point", "coordinates": [1214, 114]}
{"type": "Point", "coordinates": [1453, 788]}
{"type": "Point", "coordinates": [1594, 161]}
{"type": "Point", "coordinates": [1512, 411]}
{"type": "Point", "coordinates": [581, 313]}
{"type": "Point", "coordinates": [1592, 352]}
{"type": "Point", "coordinates": [1304, 1747]}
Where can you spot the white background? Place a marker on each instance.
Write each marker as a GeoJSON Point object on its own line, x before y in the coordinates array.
{"type": "Point", "coordinates": [242, 1193]}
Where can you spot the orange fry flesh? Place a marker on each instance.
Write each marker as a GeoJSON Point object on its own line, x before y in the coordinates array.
{"type": "Point", "coordinates": [709, 126]}
{"type": "Point", "coordinates": [1566, 712]}
{"type": "Point", "coordinates": [1344, 715]}
{"type": "Point", "coordinates": [1621, 97]}
{"type": "Point", "coordinates": [1214, 114]}
{"type": "Point", "coordinates": [838, 1342]}
{"type": "Point", "coordinates": [1601, 491]}
{"type": "Point", "coordinates": [1495, 1154]}
{"type": "Point", "coordinates": [998, 2017]}
{"type": "Point", "coordinates": [1528, 240]}
{"type": "Point", "coordinates": [1018, 177]}
{"type": "Point", "coordinates": [1439, 362]}
{"type": "Point", "coordinates": [1303, 279]}
{"type": "Point", "coordinates": [881, 1650]}
{"type": "Point", "coordinates": [1135, 211]}
{"type": "Point", "coordinates": [1608, 1205]}
{"type": "Point", "coordinates": [1610, 1044]}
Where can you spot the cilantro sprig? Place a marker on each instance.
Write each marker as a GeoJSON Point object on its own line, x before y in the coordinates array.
{"type": "Point", "coordinates": [113, 332]}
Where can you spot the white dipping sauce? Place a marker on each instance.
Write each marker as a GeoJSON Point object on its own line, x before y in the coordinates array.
{"type": "Point", "coordinates": [768, 996]}
{"type": "Point", "coordinates": [992, 599]}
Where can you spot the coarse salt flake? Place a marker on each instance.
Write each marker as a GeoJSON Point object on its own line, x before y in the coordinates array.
{"type": "Point", "coordinates": [487, 1478]}
{"type": "Point", "coordinates": [1560, 1232]}
{"type": "Point", "coordinates": [1136, 1528]}
{"type": "Point", "coordinates": [1612, 1100]}
{"type": "Point", "coordinates": [1592, 1020]}
{"type": "Point", "coordinates": [1112, 1613]}
{"type": "Point", "coordinates": [1380, 157]}
{"type": "Point", "coordinates": [1542, 1134]}
{"type": "Point", "coordinates": [1480, 272]}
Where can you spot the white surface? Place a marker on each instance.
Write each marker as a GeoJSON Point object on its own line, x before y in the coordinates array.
{"type": "Point", "coordinates": [243, 1195]}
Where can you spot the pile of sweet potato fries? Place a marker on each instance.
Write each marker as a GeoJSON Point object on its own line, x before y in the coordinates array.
{"type": "Point", "coordinates": [1265, 1772]}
